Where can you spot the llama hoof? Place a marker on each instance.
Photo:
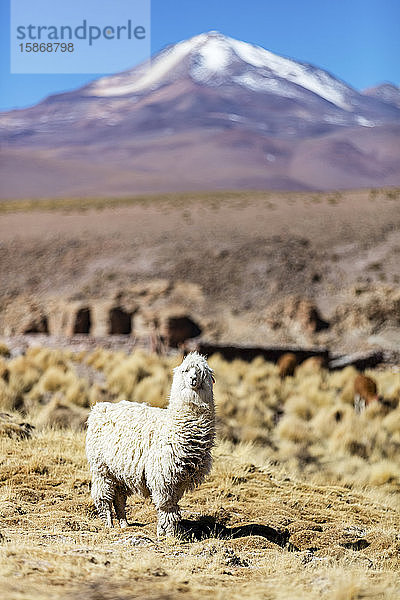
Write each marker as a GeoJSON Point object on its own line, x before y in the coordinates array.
{"type": "Point", "coordinates": [165, 532]}
{"type": "Point", "coordinates": [161, 533]}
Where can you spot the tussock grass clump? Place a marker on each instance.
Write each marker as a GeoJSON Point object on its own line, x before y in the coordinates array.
{"type": "Point", "coordinates": [7, 398]}
{"type": "Point", "coordinates": [141, 378]}
{"type": "Point", "coordinates": [58, 380]}
{"type": "Point", "coordinates": [11, 427]}
{"type": "Point", "coordinates": [23, 374]}
{"type": "Point", "coordinates": [59, 413]}
{"type": "Point", "coordinates": [4, 350]}
{"type": "Point", "coordinates": [294, 429]}
{"type": "Point", "coordinates": [391, 423]}
{"type": "Point", "coordinates": [384, 471]}
{"type": "Point", "coordinates": [105, 360]}
{"type": "Point", "coordinates": [43, 358]}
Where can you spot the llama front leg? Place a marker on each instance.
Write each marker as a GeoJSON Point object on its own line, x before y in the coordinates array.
{"type": "Point", "coordinates": [168, 520]}
{"type": "Point", "coordinates": [103, 494]}
{"type": "Point", "coordinates": [166, 503]}
{"type": "Point", "coordinates": [120, 507]}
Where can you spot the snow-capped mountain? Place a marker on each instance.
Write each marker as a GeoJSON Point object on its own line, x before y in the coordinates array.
{"type": "Point", "coordinates": [213, 59]}
{"type": "Point", "coordinates": [235, 114]}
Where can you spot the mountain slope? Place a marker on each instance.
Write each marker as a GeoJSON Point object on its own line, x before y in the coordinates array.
{"type": "Point", "coordinates": [386, 92]}
{"type": "Point", "coordinates": [234, 114]}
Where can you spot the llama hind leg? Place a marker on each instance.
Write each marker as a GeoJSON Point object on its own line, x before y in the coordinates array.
{"type": "Point", "coordinates": [120, 507]}
{"type": "Point", "coordinates": [103, 495]}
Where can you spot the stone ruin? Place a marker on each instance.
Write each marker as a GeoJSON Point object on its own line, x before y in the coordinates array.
{"type": "Point", "coordinates": [157, 312]}
{"type": "Point", "coordinates": [297, 315]}
{"type": "Point", "coordinates": [171, 325]}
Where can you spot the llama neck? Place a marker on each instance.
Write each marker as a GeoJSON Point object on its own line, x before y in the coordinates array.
{"type": "Point", "coordinates": [191, 406]}
{"type": "Point", "coordinates": [192, 426]}
{"type": "Point", "coordinates": [194, 403]}
{"type": "Point", "coordinates": [191, 423]}
{"type": "Point", "coordinates": [193, 412]}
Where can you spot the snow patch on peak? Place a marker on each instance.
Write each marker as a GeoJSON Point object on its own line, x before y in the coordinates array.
{"type": "Point", "coordinates": [304, 75]}
{"type": "Point", "coordinates": [253, 55]}
{"type": "Point", "coordinates": [214, 55]}
{"type": "Point", "coordinates": [257, 83]}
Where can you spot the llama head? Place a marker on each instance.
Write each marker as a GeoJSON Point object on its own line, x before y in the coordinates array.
{"type": "Point", "coordinates": [193, 379]}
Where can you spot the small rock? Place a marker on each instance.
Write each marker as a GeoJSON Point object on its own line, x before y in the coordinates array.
{"type": "Point", "coordinates": [135, 540]}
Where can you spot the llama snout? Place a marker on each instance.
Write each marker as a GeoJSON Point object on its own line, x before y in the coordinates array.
{"type": "Point", "coordinates": [194, 378]}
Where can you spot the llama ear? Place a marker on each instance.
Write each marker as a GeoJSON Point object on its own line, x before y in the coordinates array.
{"type": "Point", "coordinates": [213, 378]}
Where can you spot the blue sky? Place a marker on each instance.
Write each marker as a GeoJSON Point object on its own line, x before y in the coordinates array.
{"type": "Point", "coordinates": [356, 40]}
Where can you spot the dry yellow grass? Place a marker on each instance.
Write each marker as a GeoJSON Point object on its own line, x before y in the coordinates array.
{"type": "Point", "coordinates": [302, 501]}
{"type": "Point", "coordinates": [99, 202]}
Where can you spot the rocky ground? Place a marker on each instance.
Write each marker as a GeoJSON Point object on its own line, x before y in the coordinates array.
{"type": "Point", "coordinates": [255, 268]}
